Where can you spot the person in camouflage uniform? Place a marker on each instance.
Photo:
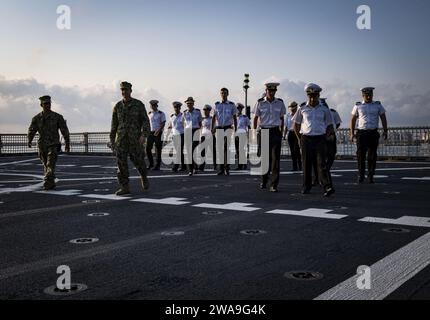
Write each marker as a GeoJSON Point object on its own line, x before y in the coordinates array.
{"type": "Point", "coordinates": [129, 131]}
{"type": "Point", "coordinates": [47, 123]}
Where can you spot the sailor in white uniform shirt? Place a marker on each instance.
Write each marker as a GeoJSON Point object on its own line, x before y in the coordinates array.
{"type": "Point", "coordinates": [224, 119]}
{"type": "Point", "coordinates": [207, 133]}
{"type": "Point", "coordinates": [193, 122]}
{"type": "Point", "coordinates": [177, 126]}
{"type": "Point", "coordinates": [314, 123]}
{"type": "Point", "coordinates": [157, 120]}
{"type": "Point", "coordinates": [270, 115]}
{"type": "Point", "coordinates": [368, 113]}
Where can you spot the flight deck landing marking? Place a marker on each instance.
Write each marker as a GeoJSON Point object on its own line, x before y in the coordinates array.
{"type": "Point", "coordinates": [314, 213]}
{"type": "Point", "coordinates": [166, 201]}
{"type": "Point", "coordinates": [104, 197]}
{"type": "Point", "coordinates": [404, 221]}
{"type": "Point", "coordinates": [234, 206]}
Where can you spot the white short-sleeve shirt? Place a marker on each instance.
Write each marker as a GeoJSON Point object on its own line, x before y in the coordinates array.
{"type": "Point", "coordinates": [314, 120]}
{"type": "Point", "coordinates": [270, 113]}
{"type": "Point", "coordinates": [368, 114]}
{"type": "Point", "coordinates": [156, 119]}
{"type": "Point", "coordinates": [224, 113]}
{"type": "Point", "coordinates": [176, 122]}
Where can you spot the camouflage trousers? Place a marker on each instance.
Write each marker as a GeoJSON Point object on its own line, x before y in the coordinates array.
{"type": "Point", "coordinates": [48, 156]}
{"type": "Point", "coordinates": [137, 157]}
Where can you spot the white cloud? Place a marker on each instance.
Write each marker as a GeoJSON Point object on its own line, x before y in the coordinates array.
{"type": "Point", "coordinates": [89, 109]}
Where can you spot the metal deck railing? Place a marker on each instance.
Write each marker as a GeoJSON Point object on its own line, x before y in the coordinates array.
{"type": "Point", "coordinates": [403, 142]}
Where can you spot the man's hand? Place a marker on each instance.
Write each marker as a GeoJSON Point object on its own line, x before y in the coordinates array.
{"type": "Point", "coordinates": [30, 145]}
{"type": "Point", "coordinates": [385, 135]}
{"type": "Point", "coordinates": [142, 140]}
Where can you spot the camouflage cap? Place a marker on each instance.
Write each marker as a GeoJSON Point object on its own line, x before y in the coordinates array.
{"type": "Point", "coordinates": [154, 102]}
{"type": "Point", "coordinates": [45, 99]}
{"type": "Point", "coordinates": [240, 106]}
{"type": "Point", "coordinates": [125, 85]}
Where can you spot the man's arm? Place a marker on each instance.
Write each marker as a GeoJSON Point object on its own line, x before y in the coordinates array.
{"type": "Point", "coordinates": [114, 127]}
{"type": "Point", "coordinates": [214, 119]}
{"type": "Point", "coordinates": [65, 132]}
{"type": "Point", "coordinates": [255, 124]}
{"type": "Point", "coordinates": [352, 127]}
{"type": "Point", "coordinates": [297, 128]}
{"type": "Point", "coordinates": [146, 126]}
{"type": "Point", "coordinates": [32, 130]}
{"type": "Point", "coordinates": [282, 125]}
{"type": "Point", "coordinates": [384, 125]}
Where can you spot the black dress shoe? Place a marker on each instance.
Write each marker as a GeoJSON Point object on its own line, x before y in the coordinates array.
{"type": "Point", "coordinates": [190, 174]}
{"type": "Point", "coordinates": [156, 168]}
{"type": "Point", "coordinates": [360, 180]}
{"type": "Point", "coordinates": [220, 173]}
{"type": "Point", "coordinates": [263, 186]}
{"type": "Point", "coordinates": [306, 191]}
{"type": "Point", "coordinates": [371, 180]}
{"type": "Point", "coordinates": [227, 172]}
{"type": "Point", "coordinates": [329, 192]}
{"type": "Point", "coordinates": [274, 189]}
{"type": "Point", "coordinates": [149, 167]}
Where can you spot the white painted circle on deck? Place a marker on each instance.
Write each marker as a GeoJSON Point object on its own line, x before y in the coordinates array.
{"type": "Point", "coordinates": [82, 241]}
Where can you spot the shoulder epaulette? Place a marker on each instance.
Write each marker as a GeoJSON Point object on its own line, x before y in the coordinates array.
{"type": "Point", "coordinates": [378, 102]}
{"type": "Point", "coordinates": [280, 99]}
{"type": "Point", "coordinates": [150, 112]}
{"type": "Point", "coordinates": [303, 104]}
{"type": "Point", "coordinates": [358, 104]}
{"type": "Point", "coordinates": [260, 100]}
{"type": "Point", "coordinates": [172, 115]}
{"type": "Point", "coordinates": [197, 109]}
{"type": "Point", "coordinates": [217, 102]}
{"type": "Point", "coordinates": [333, 110]}
{"type": "Point", "coordinates": [229, 102]}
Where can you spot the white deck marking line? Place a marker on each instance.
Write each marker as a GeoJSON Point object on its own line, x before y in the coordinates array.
{"type": "Point", "coordinates": [17, 162]}
{"type": "Point", "coordinates": [418, 179]}
{"type": "Point", "coordinates": [104, 197]}
{"type": "Point", "coordinates": [387, 275]}
{"type": "Point", "coordinates": [166, 201]}
{"type": "Point", "coordinates": [403, 221]}
{"type": "Point", "coordinates": [22, 175]}
{"type": "Point", "coordinates": [234, 206]}
{"type": "Point", "coordinates": [29, 188]}
{"type": "Point", "coordinates": [62, 192]}
{"type": "Point", "coordinates": [312, 213]}
{"type": "Point", "coordinates": [20, 181]}
{"type": "Point", "coordinates": [91, 166]}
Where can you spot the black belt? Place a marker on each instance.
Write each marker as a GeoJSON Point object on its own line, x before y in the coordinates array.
{"type": "Point", "coordinates": [314, 137]}
{"type": "Point", "coordinates": [224, 128]}
{"type": "Point", "coordinates": [367, 130]}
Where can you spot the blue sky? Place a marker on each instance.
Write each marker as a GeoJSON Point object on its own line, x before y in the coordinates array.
{"type": "Point", "coordinates": [171, 49]}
